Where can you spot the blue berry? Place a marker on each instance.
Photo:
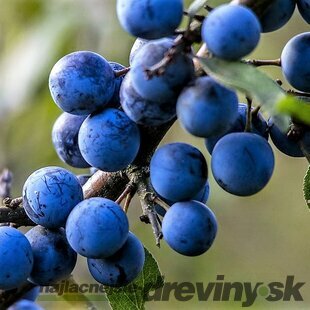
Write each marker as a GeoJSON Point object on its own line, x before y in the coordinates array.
{"type": "Point", "coordinates": [304, 9]}
{"type": "Point", "coordinates": [54, 259]}
{"type": "Point", "coordinates": [178, 171]}
{"type": "Point", "coordinates": [82, 82]}
{"type": "Point", "coordinates": [167, 86]}
{"type": "Point", "coordinates": [121, 268]}
{"type": "Point", "coordinates": [150, 19]}
{"type": "Point", "coordinates": [143, 111]}
{"type": "Point", "coordinates": [97, 228]}
{"type": "Point", "coordinates": [49, 194]}
{"type": "Point", "coordinates": [16, 258]}
{"type": "Point", "coordinates": [259, 126]}
{"type": "Point", "coordinates": [288, 145]}
{"type": "Point", "coordinates": [295, 61]}
{"type": "Point", "coordinates": [189, 227]}
{"type": "Point", "coordinates": [109, 140]}
{"type": "Point", "coordinates": [65, 139]}
{"type": "Point", "coordinates": [207, 108]}
{"type": "Point", "coordinates": [277, 15]}
{"type": "Point", "coordinates": [25, 304]}
{"type": "Point", "coordinates": [242, 163]}
{"type": "Point", "coordinates": [231, 31]}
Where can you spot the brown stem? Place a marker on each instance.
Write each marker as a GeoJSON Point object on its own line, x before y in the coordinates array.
{"type": "Point", "coordinates": [159, 68]}
{"type": "Point", "coordinates": [128, 189]}
{"type": "Point", "coordinates": [161, 203]}
{"type": "Point", "coordinates": [122, 72]}
{"type": "Point", "coordinates": [128, 201]}
{"type": "Point", "coordinates": [263, 62]}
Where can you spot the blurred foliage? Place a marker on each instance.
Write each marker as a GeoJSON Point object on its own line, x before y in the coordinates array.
{"type": "Point", "coordinates": [261, 238]}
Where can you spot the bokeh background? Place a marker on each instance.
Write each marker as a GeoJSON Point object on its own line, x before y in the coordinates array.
{"type": "Point", "coordinates": [262, 238]}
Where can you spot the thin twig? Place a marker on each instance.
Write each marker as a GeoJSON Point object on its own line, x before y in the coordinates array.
{"type": "Point", "coordinates": [128, 201]}
{"type": "Point", "coordinates": [159, 68]}
{"type": "Point", "coordinates": [146, 195]}
{"type": "Point", "coordinates": [260, 62]}
{"type": "Point", "coordinates": [128, 189]}
{"type": "Point", "coordinates": [152, 216]}
{"type": "Point", "coordinates": [161, 203]}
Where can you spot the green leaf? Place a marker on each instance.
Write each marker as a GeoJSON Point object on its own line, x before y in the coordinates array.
{"type": "Point", "coordinates": [307, 187]}
{"type": "Point", "coordinates": [295, 107]}
{"type": "Point", "coordinates": [134, 295]}
{"type": "Point", "coordinates": [196, 6]}
{"type": "Point", "coordinates": [251, 81]}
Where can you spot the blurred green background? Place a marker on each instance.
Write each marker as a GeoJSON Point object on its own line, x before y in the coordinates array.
{"type": "Point", "coordinates": [262, 238]}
